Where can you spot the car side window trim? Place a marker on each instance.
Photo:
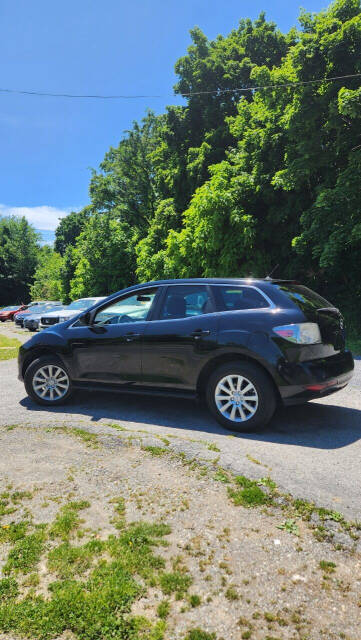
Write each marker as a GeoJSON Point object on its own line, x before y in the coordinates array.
{"type": "Point", "coordinates": [270, 304]}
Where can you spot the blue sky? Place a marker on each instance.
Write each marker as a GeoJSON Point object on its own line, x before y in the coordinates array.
{"type": "Point", "coordinates": [86, 46]}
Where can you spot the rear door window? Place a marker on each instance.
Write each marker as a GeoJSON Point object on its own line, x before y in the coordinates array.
{"type": "Point", "coordinates": [186, 302]}
{"type": "Point", "coordinates": [230, 298]}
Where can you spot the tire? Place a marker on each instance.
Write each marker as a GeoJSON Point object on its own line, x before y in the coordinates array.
{"type": "Point", "coordinates": [50, 370]}
{"type": "Point", "coordinates": [254, 402]}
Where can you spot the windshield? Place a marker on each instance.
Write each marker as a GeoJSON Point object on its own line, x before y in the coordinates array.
{"type": "Point", "coordinates": [81, 304]}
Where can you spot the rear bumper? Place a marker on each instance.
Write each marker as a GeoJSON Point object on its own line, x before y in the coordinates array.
{"type": "Point", "coordinates": [316, 378]}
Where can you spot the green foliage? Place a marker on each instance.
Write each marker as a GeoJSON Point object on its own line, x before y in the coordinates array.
{"type": "Point", "coordinates": [198, 634]}
{"type": "Point", "coordinates": [47, 277]}
{"type": "Point", "coordinates": [99, 603]}
{"type": "Point", "coordinates": [175, 582]}
{"type": "Point", "coordinates": [18, 259]}
{"type": "Point", "coordinates": [69, 228]}
{"type": "Point", "coordinates": [67, 519]}
{"type": "Point", "coordinates": [26, 552]}
{"type": "Point", "coordinates": [104, 257]}
{"type": "Point", "coordinates": [250, 495]}
{"type": "Point", "coordinates": [290, 526]}
{"type": "Point", "coordinates": [163, 609]}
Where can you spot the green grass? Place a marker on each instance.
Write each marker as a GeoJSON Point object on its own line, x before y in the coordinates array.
{"type": "Point", "coordinates": [198, 634]}
{"type": "Point", "coordinates": [175, 582]}
{"type": "Point", "coordinates": [67, 520]}
{"type": "Point", "coordinates": [249, 494]}
{"type": "Point", "coordinates": [9, 347]}
{"type": "Point", "coordinates": [26, 552]}
{"type": "Point", "coordinates": [155, 451]}
{"type": "Point", "coordinates": [113, 574]}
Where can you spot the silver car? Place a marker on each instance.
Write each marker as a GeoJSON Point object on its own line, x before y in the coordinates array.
{"type": "Point", "coordinates": [31, 320]}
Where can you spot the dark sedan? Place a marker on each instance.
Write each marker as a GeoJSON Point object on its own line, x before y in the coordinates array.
{"type": "Point", "coordinates": [244, 344]}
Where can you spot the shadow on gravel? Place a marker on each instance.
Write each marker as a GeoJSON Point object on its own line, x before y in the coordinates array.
{"type": "Point", "coordinates": [309, 425]}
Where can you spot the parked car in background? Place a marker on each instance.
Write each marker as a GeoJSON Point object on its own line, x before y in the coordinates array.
{"type": "Point", "coordinates": [32, 307]}
{"type": "Point", "coordinates": [68, 312]}
{"type": "Point", "coordinates": [7, 313]}
{"type": "Point", "coordinates": [31, 320]}
{"type": "Point", "coordinates": [245, 345]}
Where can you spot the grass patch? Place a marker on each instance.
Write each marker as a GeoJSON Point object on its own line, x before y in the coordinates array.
{"type": "Point", "coordinates": [249, 494]}
{"type": "Point", "coordinates": [327, 567]}
{"type": "Point", "coordinates": [290, 526]}
{"type": "Point", "coordinates": [175, 582]}
{"type": "Point", "coordinates": [67, 561]}
{"type": "Point", "coordinates": [213, 447]}
{"type": "Point", "coordinates": [9, 347]}
{"type": "Point", "coordinates": [67, 520]}
{"type": "Point", "coordinates": [198, 634]}
{"type": "Point", "coordinates": [26, 552]}
{"type": "Point", "coordinates": [97, 605]}
{"type": "Point", "coordinates": [13, 531]}
{"type": "Point", "coordinates": [90, 439]}
{"type": "Point", "coordinates": [155, 451]}
{"type": "Point", "coordinates": [163, 609]}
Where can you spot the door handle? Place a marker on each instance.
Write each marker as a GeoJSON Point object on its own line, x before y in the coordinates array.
{"type": "Point", "coordinates": [129, 337]}
{"type": "Point", "coordinates": [199, 333]}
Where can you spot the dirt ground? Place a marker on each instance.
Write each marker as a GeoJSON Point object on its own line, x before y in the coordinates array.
{"type": "Point", "coordinates": [253, 579]}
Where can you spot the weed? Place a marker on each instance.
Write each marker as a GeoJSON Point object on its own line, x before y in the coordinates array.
{"type": "Point", "coordinates": [26, 552]}
{"type": "Point", "coordinates": [194, 600]}
{"type": "Point", "coordinates": [8, 589]}
{"type": "Point", "coordinates": [290, 526]}
{"type": "Point", "coordinates": [155, 451]}
{"type": "Point", "coordinates": [267, 482]}
{"type": "Point", "coordinates": [163, 609]}
{"type": "Point", "coordinates": [221, 476]}
{"type": "Point", "coordinates": [327, 567]}
{"type": "Point", "coordinates": [250, 495]}
{"type": "Point", "coordinates": [67, 561]}
{"type": "Point", "coordinates": [175, 582]}
{"type": "Point", "coordinates": [213, 447]}
{"type": "Point", "coordinates": [198, 634]}
{"type": "Point", "coordinates": [13, 531]}
{"type": "Point", "coordinates": [67, 519]}
{"type": "Point", "coordinates": [231, 594]}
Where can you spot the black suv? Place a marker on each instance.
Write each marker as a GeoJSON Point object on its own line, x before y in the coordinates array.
{"type": "Point", "coordinates": [245, 345]}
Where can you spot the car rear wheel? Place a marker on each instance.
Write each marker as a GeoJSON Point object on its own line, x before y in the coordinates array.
{"type": "Point", "coordinates": [48, 382]}
{"type": "Point", "coordinates": [241, 396]}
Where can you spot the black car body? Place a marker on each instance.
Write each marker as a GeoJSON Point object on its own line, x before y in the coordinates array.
{"type": "Point", "coordinates": [278, 339]}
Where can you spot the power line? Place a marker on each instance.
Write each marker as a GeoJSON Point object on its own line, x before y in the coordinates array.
{"type": "Point", "coordinates": [185, 95]}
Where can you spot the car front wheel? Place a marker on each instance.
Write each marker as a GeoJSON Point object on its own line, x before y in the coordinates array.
{"type": "Point", "coordinates": [241, 396]}
{"type": "Point", "coordinates": [48, 382]}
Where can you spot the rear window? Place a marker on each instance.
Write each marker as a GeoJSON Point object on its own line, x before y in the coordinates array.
{"type": "Point", "coordinates": [304, 297]}
{"type": "Point", "coordinates": [238, 298]}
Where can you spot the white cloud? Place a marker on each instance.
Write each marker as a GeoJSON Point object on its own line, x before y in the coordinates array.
{"type": "Point", "coordinates": [43, 217]}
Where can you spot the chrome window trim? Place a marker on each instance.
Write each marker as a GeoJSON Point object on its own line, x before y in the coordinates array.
{"type": "Point", "coordinates": [270, 303]}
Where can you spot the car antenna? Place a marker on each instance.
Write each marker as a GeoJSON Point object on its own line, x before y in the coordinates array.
{"type": "Point", "coordinates": [271, 272]}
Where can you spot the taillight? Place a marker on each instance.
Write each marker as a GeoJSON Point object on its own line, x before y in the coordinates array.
{"type": "Point", "coordinates": [303, 333]}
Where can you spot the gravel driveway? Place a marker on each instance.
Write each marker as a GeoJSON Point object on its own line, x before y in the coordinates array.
{"type": "Point", "coordinates": [312, 451]}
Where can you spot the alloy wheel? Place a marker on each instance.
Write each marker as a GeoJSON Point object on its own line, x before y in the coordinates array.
{"type": "Point", "coordinates": [50, 382]}
{"type": "Point", "coordinates": [236, 398]}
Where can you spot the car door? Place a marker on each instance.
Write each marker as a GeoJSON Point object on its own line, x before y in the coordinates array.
{"type": "Point", "coordinates": [179, 340]}
{"type": "Point", "coordinates": [109, 351]}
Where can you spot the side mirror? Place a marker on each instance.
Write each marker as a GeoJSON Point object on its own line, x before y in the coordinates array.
{"type": "Point", "coordinates": [85, 319]}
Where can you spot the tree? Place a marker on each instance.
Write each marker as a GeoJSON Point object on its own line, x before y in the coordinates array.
{"type": "Point", "coordinates": [47, 277]}
{"type": "Point", "coordinates": [18, 259]}
{"type": "Point", "coordinates": [69, 228]}
{"type": "Point", "coordinates": [104, 256]}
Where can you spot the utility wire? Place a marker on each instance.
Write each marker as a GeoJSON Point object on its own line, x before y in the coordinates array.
{"type": "Point", "coordinates": [185, 95]}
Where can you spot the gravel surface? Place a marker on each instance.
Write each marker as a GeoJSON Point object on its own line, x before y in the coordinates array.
{"type": "Point", "coordinates": [312, 451]}
{"type": "Point", "coordinates": [253, 580]}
